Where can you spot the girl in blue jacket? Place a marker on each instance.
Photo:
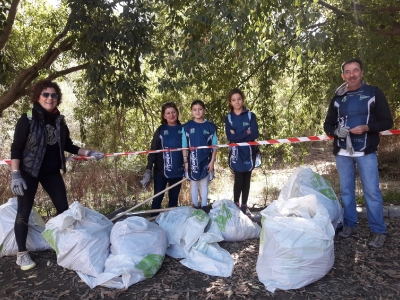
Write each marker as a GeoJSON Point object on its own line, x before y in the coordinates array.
{"type": "Point", "coordinates": [199, 162]}
{"type": "Point", "coordinates": [241, 126]}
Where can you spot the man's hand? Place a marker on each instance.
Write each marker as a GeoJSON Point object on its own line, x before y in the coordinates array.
{"type": "Point", "coordinates": [342, 132]}
{"type": "Point", "coordinates": [18, 184]}
{"type": "Point", "coordinates": [359, 129]}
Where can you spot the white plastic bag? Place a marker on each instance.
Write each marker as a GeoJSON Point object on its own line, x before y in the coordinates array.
{"type": "Point", "coordinates": [296, 244]}
{"type": "Point", "coordinates": [232, 222]}
{"type": "Point", "coordinates": [81, 239]}
{"type": "Point", "coordinates": [208, 257]}
{"type": "Point", "coordinates": [304, 181]}
{"type": "Point", "coordinates": [34, 241]}
{"type": "Point", "coordinates": [183, 226]}
{"type": "Point", "coordinates": [136, 253]}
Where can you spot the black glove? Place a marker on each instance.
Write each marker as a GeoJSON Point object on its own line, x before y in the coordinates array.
{"type": "Point", "coordinates": [18, 184]}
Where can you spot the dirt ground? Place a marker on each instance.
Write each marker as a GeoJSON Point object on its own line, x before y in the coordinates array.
{"type": "Point", "coordinates": [358, 273]}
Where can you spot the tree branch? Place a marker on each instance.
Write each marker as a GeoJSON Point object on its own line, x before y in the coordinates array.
{"type": "Point", "coordinates": [336, 10]}
{"type": "Point", "coordinates": [255, 70]}
{"type": "Point", "coordinates": [67, 71]}
{"type": "Point", "coordinates": [395, 26]}
{"type": "Point", "coordinates": [317, 25]}
{"type": "Point", "coordinates": [54, 53]}
{"type": "Point", "coordinates": [9, 24]}
{"type": "Point", "coordinates": [20, 86]}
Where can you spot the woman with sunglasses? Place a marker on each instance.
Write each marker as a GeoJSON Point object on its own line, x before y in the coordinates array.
{"type": "Point", "coordinates": [168, 166]}
{"type": "Point", "coordinates": [37, 154]}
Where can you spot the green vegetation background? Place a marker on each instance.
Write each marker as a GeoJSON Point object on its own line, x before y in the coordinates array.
{"type": "Point", "coordinates": [117, 64]}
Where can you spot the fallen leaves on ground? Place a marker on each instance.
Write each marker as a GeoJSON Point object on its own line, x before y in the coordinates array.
{"type": "Point", "coordinates": [359, 272]}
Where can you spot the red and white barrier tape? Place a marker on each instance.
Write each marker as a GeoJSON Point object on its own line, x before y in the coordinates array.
{"type": "Point", "coordinates": [267, 142]}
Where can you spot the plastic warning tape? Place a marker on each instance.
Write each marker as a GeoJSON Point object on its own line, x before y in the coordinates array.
{"type": "Point", "coordinates": [267, 142]}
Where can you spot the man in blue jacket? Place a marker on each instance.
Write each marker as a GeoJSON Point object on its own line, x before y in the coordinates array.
{"type": "Point", "coordinates": [356, 115]}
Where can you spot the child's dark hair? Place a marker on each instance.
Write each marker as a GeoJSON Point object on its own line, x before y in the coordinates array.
{"type": "Point", "coordinates": [199, 102]}
{"type": "Point", "coordinates": [231, 93]}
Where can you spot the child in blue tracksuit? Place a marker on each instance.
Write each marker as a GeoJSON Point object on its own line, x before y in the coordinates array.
{"type": "Point", "coordinates": [200, 162]}
{"type": "Point", "coordinates": [241, 126]}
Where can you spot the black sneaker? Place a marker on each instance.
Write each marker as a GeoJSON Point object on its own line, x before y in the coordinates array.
{"type": "Point", "coordinates": [206, 209]}
{"type": "Point", "coordinates": [245, 210]}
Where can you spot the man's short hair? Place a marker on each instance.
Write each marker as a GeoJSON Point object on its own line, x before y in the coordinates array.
{"type": "Point", "coordinates": [352, 60]}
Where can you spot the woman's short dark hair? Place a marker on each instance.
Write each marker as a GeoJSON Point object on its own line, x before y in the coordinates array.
{"type": "Point", "coordinates": [42, 85]}
{"type": "Point", "coordinates": [199, 102]}
{"type": "Point", "coordinates": [164, 107]}
{"type": "Point", "coordinates": [231, 93]}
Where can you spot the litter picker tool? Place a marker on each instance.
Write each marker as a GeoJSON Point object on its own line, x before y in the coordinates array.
{"type": "Point", "coordinates": [147, 200]}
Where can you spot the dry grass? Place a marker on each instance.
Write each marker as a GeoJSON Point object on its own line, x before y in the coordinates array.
{"type": "Point", "coordinates": [359, 272]}
{"type": "Point", "coordinates": [114, 182]}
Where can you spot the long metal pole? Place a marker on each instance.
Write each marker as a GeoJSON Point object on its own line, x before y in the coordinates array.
{"type": "Point", "coordinates": [147, 200]}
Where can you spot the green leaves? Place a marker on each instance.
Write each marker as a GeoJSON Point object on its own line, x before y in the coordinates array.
{"type": "Point", "coordinates": [90, 35]}
{"type": "Point", "coordinates": [285, 55]}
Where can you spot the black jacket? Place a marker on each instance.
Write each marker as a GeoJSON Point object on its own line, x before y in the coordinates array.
{"type": "Point", "coordinates": [31, 142]}
{"type": "Point", "coordinates": [380, 118]}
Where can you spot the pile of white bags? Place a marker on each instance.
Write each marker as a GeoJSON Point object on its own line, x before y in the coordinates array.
{"type": "Point", "coordinates": [8, 244]}
{"type": "Point", "coordinates": [296, 244]}
{"type": "Point", "coordinates": [136, 253]}
{"type": "Point", "coordinates": [232, 222]}
{"type": "Point", "coordinates": [186, 238]}
{"type": "Point", "coordinates": [208, 257]}
{"type": "Point", "coordinates": [306, 182]}
{"type": "Point", "coordinates": [81, 239]}
{"type": "Point", "coordinates": [183, 225]}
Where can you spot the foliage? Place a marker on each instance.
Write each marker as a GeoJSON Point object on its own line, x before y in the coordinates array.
{"type": "Point", "coordinates": [78, 35]}
{"type": "Point", "coordinates": [132, 56]}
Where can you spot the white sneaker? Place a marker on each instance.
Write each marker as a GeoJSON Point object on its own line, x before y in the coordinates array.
{"type": "Point", "coordinates": [25, 261]}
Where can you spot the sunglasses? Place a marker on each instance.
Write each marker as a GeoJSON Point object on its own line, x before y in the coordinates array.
{"type": "Point", "coordinates": [53, 95]}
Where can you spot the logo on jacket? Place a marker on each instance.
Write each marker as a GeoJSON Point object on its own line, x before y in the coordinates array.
{"type": "Point", "coordinates": [51, 135]}
{"type": "Point", "coordinates": [194, 163]}
{"type": "Point", "coordinates": [166, 132]}
{"type": "Point", "coordinates": [167, 161]}
{"type": "Point", "coordinates": [342, 121]}
{"type": "Point", "coordinates": [234, 154]}
{"type": "Point", "coordinates": [191, 130]}
{"type": "Point", "coordinates": [245, 124]}
{"type": "Point", "coordinates": [205, 131]}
